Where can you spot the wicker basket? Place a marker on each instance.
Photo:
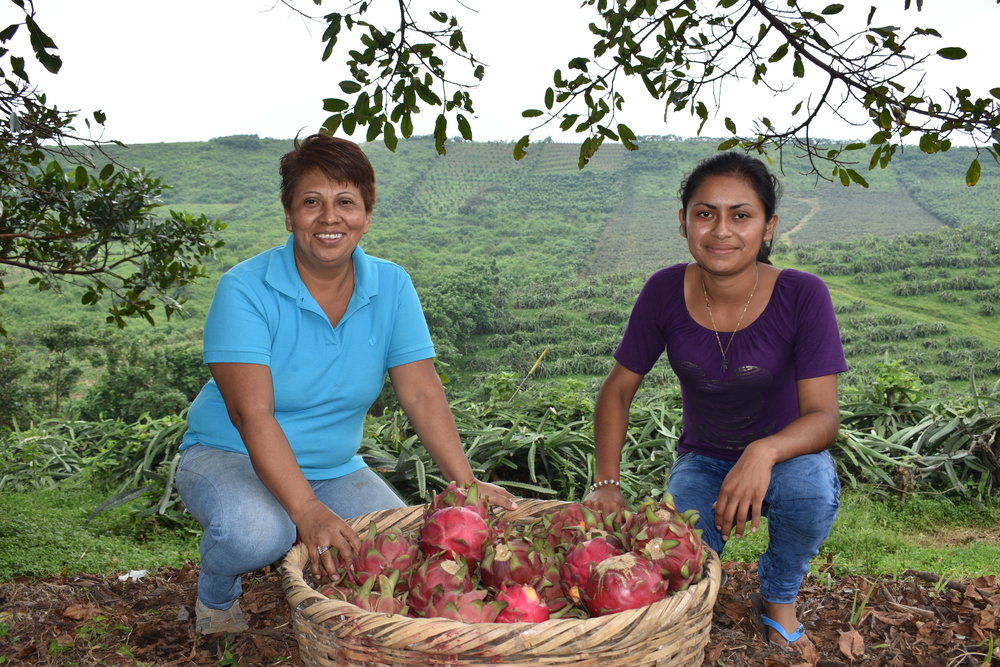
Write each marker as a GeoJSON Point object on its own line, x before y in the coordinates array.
{"type": "Point", "coordinates": [673, 631]}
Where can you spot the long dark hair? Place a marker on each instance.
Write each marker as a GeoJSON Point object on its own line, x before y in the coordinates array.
{"type": "Point", "coordinates": [752, 170]}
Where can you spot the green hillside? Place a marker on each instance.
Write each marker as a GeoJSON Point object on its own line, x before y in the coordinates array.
{"type": "Point", "coordinates": [512, 257]}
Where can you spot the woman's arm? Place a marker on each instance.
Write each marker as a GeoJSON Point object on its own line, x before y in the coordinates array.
{"type": "Point", "coordinates": [248, 392]}
{"type": "Point", "coordinates": [742, 493]}
{"type": "Point", "coordinates": [422, 397]}
{"type": "Point", "coordinates": [611, 415]}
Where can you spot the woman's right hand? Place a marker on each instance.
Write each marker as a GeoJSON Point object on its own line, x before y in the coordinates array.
{"type": "Point", "coordinates": [319, 526]}
{"type": "Point", "coordinates": [606, 499]}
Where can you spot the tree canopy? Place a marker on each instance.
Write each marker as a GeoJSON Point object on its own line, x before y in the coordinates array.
{"type": "Point", "coordinates": [68, 214]}
{"type": "Point", "coordinates": [686, 53]}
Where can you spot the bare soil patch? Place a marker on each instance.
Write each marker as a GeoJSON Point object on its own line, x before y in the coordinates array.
{"type": "Point", "coordinates": [99, 620]}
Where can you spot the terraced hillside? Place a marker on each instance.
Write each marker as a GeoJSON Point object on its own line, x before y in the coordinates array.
{"type": "Point", "coordinates": [559, 253]}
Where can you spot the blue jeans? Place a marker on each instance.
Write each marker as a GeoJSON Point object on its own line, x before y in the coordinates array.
{"type": "Point", "coordinates": [800, 505]}
{"type": "Point", "coordinates": [245, 526]}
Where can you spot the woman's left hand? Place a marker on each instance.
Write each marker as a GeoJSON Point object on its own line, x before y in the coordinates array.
{"type": "Point", "coordinates": [741, 495]}
{"type": "Point", "coordinates": [497, 495]}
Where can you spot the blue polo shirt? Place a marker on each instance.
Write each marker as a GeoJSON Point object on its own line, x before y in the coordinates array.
{"type": "Point", "coordinates": [325, 378]}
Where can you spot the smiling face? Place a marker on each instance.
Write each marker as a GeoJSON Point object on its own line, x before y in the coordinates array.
{"type": "Point", "coordinates": [725, 224]}
{"type": "Point", "coordinates": [327, 219]}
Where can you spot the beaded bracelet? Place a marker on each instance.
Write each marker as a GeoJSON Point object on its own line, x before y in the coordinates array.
{"type": "Point", "coordinates": [604, 482]}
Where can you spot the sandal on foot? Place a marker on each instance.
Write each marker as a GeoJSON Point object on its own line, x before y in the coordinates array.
{"type": "Point", "coordinates": [209, 621]}
{"type": "Point", "coordinates": [763, 622]}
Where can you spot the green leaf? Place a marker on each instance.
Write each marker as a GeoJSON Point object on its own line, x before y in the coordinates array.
{"type": "Point", "coordinates": [531, 113]}
{"type": "Point", "coordinates": [464, 128]}
{"type": "Point", "coordinates": [779, 53]}
{"type": "Point", "coordinates": [730, 125]}
{"type": "Point", "coordinates": [952, 53]}
{"type": "Point", "coordinates": [549, 98]}
{"type": "Point", "coordinates": [441, 134]}
{"type": "Point", "coordinates": [335, 105]}
{"type": "Point", "coordinates": [628, 138]}
{"type": "Point", "coordinates": [406, 126]}
{"type": "Point", "coordinates": [798, 67]}
{"type": "Point", "coordinates": [350, 87]}
{"type": "Point", "coordinates": [830, 10]}
{"type": "Point", "coordinates": [81, 178]}
{"type": "Point", "coordinates": [727, 144]}
{"type": "Point", "coordinates": [389, 137]}
{"type": "Point", "coordinates": [972, 175]}
{"type": "Point", "coordinates": [521, 147]}
{"type": "Point", "coordinates": [857, 178]}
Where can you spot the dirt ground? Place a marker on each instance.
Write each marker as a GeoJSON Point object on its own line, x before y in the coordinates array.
{"type": "Point", "coordinates": [101, 620]}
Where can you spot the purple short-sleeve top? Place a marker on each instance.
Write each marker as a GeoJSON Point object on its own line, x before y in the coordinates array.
{"type": "Point", "coordinates": [796, 337]}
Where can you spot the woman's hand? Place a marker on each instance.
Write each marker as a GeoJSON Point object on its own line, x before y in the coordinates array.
{"type": "Point", "coordinates": [319, 527]}
{"type": "Point", "coordinates": [498, 495]}
{"type": "Point", "coordinates": [741, 495]}
{"type": "Point", "coordinates": [606, 500]}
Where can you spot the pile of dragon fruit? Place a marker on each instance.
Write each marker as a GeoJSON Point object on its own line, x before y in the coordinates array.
{"type": "Point", "coordinates": [468, 564]}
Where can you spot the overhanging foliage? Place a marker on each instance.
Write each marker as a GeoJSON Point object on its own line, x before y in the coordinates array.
{"type": "Point", "coordinates": [686, 53]}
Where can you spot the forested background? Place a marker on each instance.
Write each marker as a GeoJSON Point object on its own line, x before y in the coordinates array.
{"type": "Point", "coordinates": [512, 258]}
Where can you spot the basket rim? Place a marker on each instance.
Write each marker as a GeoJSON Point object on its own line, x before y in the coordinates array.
{"type": "Point", "coordinates": [314, 606]}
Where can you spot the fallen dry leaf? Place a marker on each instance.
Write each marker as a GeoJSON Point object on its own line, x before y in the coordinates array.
{"type": "Point", "coordinates": [81, 612]}
{"type": "Point", "coordinates": [852, 644]}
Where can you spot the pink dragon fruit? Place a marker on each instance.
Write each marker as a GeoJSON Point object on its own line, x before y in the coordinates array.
{"type": "Point", "coordinates": [669, 539]}
{"type": "Point", "coordinates": [548, 585]}
{"type": "Point", "coordinates": [580, 562]}
{"type": "Point", "coordinates": [457, 495]}
{"type": "Point", "coordinates": [510, 560]}
{"type": "Point", "coordinates": [468, 607]}
{"type": "Point", "coordinates": [434, 577]}
{"type": "Point", "coordinates": [523, 605]}
{"type": "Point", "coordinates": [623, 582]}
{"type": "Point", "coordinates": [457, 531]}
{"type": "Point", "coordinates": [335, 592]}
{"type": "Point", "coordinates": [573, 523]}
{"type": "Point", "coordinates": [383, 601]}
{"type": "Point", "coordinates": [383, 553]}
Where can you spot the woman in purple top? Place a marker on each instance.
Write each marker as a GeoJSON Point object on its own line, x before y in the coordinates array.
{"type": "Point", "coordinates": [757, 351]}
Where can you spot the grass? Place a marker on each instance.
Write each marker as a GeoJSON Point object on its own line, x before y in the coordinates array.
{"type": "Point", "coordinates": [885, 537]}
{"type": "Point", "coordinates": [46, 532]}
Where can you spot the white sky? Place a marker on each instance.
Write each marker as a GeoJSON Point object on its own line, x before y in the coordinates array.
{"type": "Point", "coordinates": [191, 70]}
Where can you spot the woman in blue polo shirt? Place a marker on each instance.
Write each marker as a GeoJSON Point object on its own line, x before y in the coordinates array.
{"type": "Point", "coordinates": [299, 339]}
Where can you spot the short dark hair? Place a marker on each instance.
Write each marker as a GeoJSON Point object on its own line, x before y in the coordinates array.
{"type": "Point", "coordinates": [341, 160]}
{"type": "Point", "coordinates": [752, 170]}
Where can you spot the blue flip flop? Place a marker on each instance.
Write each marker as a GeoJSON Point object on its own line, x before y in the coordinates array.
{"type": "Point", "coordinates": [763, 622]}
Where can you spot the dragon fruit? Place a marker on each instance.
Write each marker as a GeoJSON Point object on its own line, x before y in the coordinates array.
{"type": "Point", "coordinates": [510, 560]}
{"type": "Point", "coordinates": [580, 561]}
{"type": "Point", "coordinates": [669, 539]}
{"type": "Point", "coordinates": [456, 495]}
{"type": "Point", "coordinates": [623, 582]}
{"type": "Point", "coordinates": [384, 600]}
{"type": "Point", "coordinates": [575, 523]}
{"type": "Point", "coordinates": [467, 607]}
{"type": "Point", "coordinates": [523, 605]}
{"type": "Point", "coordinates": [382, 553]}
{"type": "Point", "coordinates": [434, 577]}
{"type": "Point", "coordinates": [458, 531]}
{"type": "Point", "coordinates": [335, 592]}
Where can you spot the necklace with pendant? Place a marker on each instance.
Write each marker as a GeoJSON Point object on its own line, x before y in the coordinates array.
{"type": "Point", "coordinates": [724, 365]}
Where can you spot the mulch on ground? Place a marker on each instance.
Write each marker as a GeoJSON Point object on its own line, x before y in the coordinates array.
{"type": "Point", "coordinates": [101, 620]}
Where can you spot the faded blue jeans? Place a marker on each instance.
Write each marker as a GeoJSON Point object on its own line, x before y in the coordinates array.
{"type": "Point", "coordinates": [800, 505]}
{"type": "Point", "coordinates": [245, 526]}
